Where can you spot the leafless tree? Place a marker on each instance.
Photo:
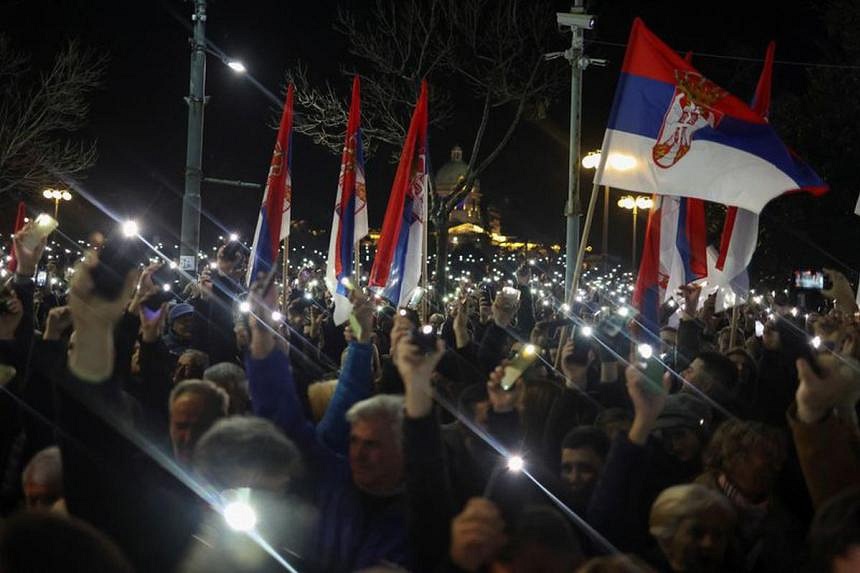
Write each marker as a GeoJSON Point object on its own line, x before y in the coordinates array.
{"type": "Point", "coordinates": [491, 49]}
{"type": "Point", "coordinates": [40, 113]}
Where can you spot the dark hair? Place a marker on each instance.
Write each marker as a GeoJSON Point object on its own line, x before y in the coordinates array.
{"type": "Point", "coordinates": [719, 369]}
{"type": "Point", "coordinates": [470, 396]}
{"type": "Point", "coordinates": [44, 541]}
{"type": "Point", "coordinates": [587, 437]}
{"type": "Point", "coordinates": [836, 527]}
{"type": "Point", "coordinates": [735, 437]}
{"type": "Point", "coordinates": [612, 416]}
{"type": "Point", "coordinates": [546, 527]}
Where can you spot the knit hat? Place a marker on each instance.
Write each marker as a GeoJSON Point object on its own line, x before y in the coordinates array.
{"type": "Point", "coordinates": [180, 310]}
{"type": "Point", "coordinates": [684, 411]}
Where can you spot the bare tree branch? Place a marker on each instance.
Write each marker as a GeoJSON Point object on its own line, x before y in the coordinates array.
{"type": "Point", "coordinates": [40, 113]}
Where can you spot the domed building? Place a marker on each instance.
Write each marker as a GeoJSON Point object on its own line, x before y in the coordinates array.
{"type": "Point", "coordinates": [468, 211]}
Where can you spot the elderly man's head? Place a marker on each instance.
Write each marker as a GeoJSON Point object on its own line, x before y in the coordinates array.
{"type": "Point", "coordinates": [693, 526]}
{"type": "Point", "coordinates": [375, 448]}
{"type": "Point", "coordinates": [190, 365]}
{"type": "Point", "coordinates": [194, 405]}
{"type": "Point", "coordinates": [246, 451]}
{"type": "Point", "coordinates": [42, 479]}
{"type": "Point", "coordinates": [232, 379]}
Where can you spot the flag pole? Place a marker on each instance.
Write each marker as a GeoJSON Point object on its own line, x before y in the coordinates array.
{"type": "Point", "coordinates": [580, 255]}
{"type": "Point", "coordinates": [732, 337]}
{"type": "Point", "coordinates": [286, 269]}
{"type": "Point", "coordinates": [424, 252]}
{"type": "Point", "coordinates": [356, 251]}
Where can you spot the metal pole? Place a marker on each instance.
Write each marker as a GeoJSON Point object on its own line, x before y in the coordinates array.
{"type": "Point", "coordinates": [605, 228]}
{"type": "Point", "coordinates": [196, 100]}
{"type": "Point", "coordinates": [56, 209]}
{"type": "Point", "coordinates": [633, 253]}
{"type": "Point", "coordinates": [286, 275]}
{"type": "Point", "coordinates": [573, 209]}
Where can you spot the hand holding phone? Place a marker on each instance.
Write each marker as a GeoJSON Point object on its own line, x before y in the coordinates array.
{"type": "Point", "coordinates": [520, 363]}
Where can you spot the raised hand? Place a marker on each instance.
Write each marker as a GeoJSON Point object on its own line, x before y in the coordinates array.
{"type": "Point", "coordinates": [505, 309]}
{"type": "Point", "coordinates": [28, 258]}
{"type": "Point", "coordinates": [841, 292]}
{"type": "Point", "coordinates": [573, 370]}
{"type": "Point", "coordinates": [477, 534]}
{"type": "Point", "coordinates": [648, 400]}
{"type": "Point", "coordinates": [837, 386]}
{"type": "Point", "coordinates": [152, 322]}
{"type": "Point", "coordinates": [416, 368]}
{"type": "Point", "coordinates": [501, 400]}
{"type": "Point", "coordinates": [145, 287]}
{"type": "Point", "coordinates": [460, 315]}
{"type": "Point", "coordinates": [59, 319]}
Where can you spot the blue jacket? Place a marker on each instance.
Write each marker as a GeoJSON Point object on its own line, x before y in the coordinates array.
{"type": "Point", "coordinates": [355, 530]}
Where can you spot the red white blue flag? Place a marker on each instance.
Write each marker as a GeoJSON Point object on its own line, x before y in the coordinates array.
{"type": "Point", "coordinates": [672, 131]}
{"type": "Point", "coordinates": [349, 222]}
{"type": "Point", "coordinates": [740, 228]}
{"type": "Point", "coordinates": [674, 254]}
{"type": "Point", "coordinates": [399, 254]}
{"type": "Point", "coordinates": [273, 224]}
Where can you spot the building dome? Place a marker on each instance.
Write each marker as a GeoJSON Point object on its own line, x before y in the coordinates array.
{"type": "Point", "coordinates": [451, 173]}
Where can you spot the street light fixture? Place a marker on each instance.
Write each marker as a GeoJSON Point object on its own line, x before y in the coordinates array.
{"type": "Point", "coordinates": [57, 195]}
{"type": "Point", "coordinates": [236, 66]}
{"type": "Point", "coordinates": [634, 204]}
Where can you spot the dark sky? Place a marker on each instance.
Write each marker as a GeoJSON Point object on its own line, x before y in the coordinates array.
{"type": "Point", "coordinates": [139, 117]}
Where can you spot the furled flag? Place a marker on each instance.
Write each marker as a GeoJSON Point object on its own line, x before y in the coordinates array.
{"type": "Point", "coordinates": [273, 225]}
{"type": "Point", "coordinates": [674, 132]}
{"type": "Point", "coordinates": [19, 224]}
{"type": "Point", "coordinates": [740, 228]}
{"type": "Point", "coordinates": [399, 257]}
{"type": "Point", "coordinates": [674, 254]}
{"type": "Point", "coordinates": [349, 222]}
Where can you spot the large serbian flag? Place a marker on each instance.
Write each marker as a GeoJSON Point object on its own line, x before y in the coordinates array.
{"type": "Point", "coordinates": [349, 222]}
{"type": "Point", "coordinates": [674, 254]}
{"type": "Point", "coordinates": [399, 257]}
{"type": "Point", "coordinates": [674, 132]}
{"type": "Point", "coordinates": [273, 224]}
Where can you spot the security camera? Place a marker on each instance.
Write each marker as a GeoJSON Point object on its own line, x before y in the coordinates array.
{"type": "Point", "coordinates": [584, 21]}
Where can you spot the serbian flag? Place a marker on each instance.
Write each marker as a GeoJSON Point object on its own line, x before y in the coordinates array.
{"type": "Point", "coordinates": [273, 224]}
{"type": "Point", "coordinates": [399, 254]}
{"type": "Point", "coordinates": [349, 222]}
{"type": "Point", "coordinates": [674, 254]}
{"type": "Point", "coordinates": [19, 224]}
{"type": "Point", "coordinates": [674, 132]}
{"type": "Point", "coordinates": [740, 228]}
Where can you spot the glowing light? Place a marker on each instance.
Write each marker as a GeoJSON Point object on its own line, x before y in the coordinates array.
{"type": "Point", "coordinates": [623, 311]}
{"type": "Point", "coordinates": [234, 237]}
{"type": "Point", "coordinates": [645, 351]}
{"type": "Point", "coordinates": [565, 307]}
{"type": "Point", "coordinates": [277, 316]}
{"type": "Point", "coordinates": [245, 307]}
{"type": "Point", "coordinates": [308, 296]}
{"type": "Point", "coordinates": [529, 350]}
{"type": "Point", "coordinates": [794, 311]}
{"type": "Point", "coordinates": [627, 202]}
{"type": "Point", "coordinates": [237, 66]}
{"type": "Point", "coordinates": [173, 265]}
{"type": "Point", "coordinates": [213, 265]}
{"type": "Point", "coordinates": [130, 229]}
{"type": "Point", "coordinates": [427, 329]}
{"type": "Point", "coordinates": [591, 160]}
{"type": "Point", "coordinates": [587, 331]}
{"type": "Point", "coordinates": [166, 287]}
{"type": "Point", "coordinates": [621, 162]}
{"type": "Point", "coordinates": [240, 516]}
{"type": "Point", "coordinates": [816, 342]}
{"type": "Point", "coordinates": [516, 464]}
{"type": "Point", "coordinates": [644, 202]}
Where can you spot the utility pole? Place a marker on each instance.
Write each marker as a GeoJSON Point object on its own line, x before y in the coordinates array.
{"type": "Point", "coordinates": [196, 100]}
{"type": "Point", "coordinates": [577, 21]}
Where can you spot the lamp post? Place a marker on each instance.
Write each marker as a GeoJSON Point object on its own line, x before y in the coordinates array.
{"type": "Point", "coordinates": [57, 195]}
{"type": "Point", "coordinates": [189, 244]}
{"type": "Point", "coordinates": [630, 202]}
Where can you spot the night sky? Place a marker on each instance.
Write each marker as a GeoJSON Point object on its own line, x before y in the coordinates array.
{"type": "Point", "coordinates": [139, 117]}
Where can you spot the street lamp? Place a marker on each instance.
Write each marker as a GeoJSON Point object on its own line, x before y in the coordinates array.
{"type": "Point", "coordinates": [634, 204]}
{"type": "Point", "coordinates": [57, 195]}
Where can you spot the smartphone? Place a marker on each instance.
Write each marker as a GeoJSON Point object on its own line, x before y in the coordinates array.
{"type": "Point", "coordinates": [511, 292]}
{"type": "Point", "coordinates": [416, 298]}
{"type": "Point", "coordinates": [424, 339]}
{"type": "Point", "coordinates": [44, 225]}
{"type": "Point", "coordinates": [811, 280]}
{"type": "Point", "coordinates": [759, 329]}
{"type": "Point", "coordinates": [521, 362]}
{"type": "Point", "coordinates": [41, 278]}
{"type": "Point", "coordinates": [116, 259]}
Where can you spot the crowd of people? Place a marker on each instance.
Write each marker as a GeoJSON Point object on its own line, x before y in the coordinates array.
{"type": "Point", "coordinates": [221, 428]}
